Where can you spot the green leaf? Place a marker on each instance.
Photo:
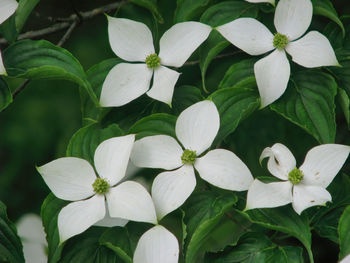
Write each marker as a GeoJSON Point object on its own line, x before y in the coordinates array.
{"type": "Point", "coordinates": [309, 103]}
{"type": "Point", "coordinates": [344, 230]}
{"type": "Point", "coordinates": [257, 248]}
{"type": "Point", "coordinates": [23, 11]}
{"type": "Point", "coordinates": [326, 8]}
{"type": "Point", "coordinates": [342, 74]}
{"type": "Point", "coordinates": [203, 212]}
{"type": "Point", "coordinates": [151, 5]}
{"type": "Point", "coordinates": [5, 94]}
{"type": "Point", "coordinates": [185, 96]}
{"type": "Point", "coordinates": [8, 29]}
{"type": "Point", "coordinates": [344, 102]}
{"type": "Point", "coordinates": [216, 15]}
{"type": "Point", "coordinates": [42, 60]}
{"type": "Point", "coordinates": [10, 244]}
{"type": "Point", "coordinates": [284, 219]}
{"type": "Point", "coordinates": [159, 123]}
{"type": "Point", "coordinates": [85, 141]}
{"type": "Point", "coordinates": [49, 213]}
{"type": "Point", "coordinates": [234, 105]}
{"type": "Point", "coordinates": [96, 76]}
{"type": "Point", "coordinates": [187, 10]}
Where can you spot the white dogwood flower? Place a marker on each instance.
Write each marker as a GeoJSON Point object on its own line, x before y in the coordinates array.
{"type": "Point", "coordinates": [196, 128]}
{"type": "Point", "coordinates": [292, 18]}
{"type": "Point", "coordinates": [133, 42]}
{"type": "Point", "coordinates": [7, 8]}
{"type": "Point", "coordinates": [74, 179]}
{"type": "Point", "coordinates": [304, 186]}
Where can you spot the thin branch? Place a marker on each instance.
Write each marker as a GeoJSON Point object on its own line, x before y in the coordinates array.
{"type": "Point", "coordinates": [67, 35]}
{"type": "Point", "coordinates": [67, 22]}
{"type": "Point", "coordinates": [20, 88]}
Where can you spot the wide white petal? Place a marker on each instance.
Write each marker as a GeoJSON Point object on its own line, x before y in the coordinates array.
{"type": "Point", "coordinates": [109, 221]}
{"type": "Point", "coordinates": [261, 195]}
{"type": "Point", "coordinates": [124, 83]}
{"type": "Point", "coordinates": [130, 40]}
{"type": "Point", "coordinates": [322, 163]}
{"type": "Point", "coordinates": [157, 245]}
{"type": "Point", "coordinates": [281, 160]}
{"type": "Point", "coordinates": [30, 228]}
{"type": "Point", "coordinates": [180, 41]}
{"type": "Point", "coordinates": [7, 8]}
{"type": "Point", "coordinates": [2, 66]}
{"type": "Point", "coordinates": [272, 75]}
{"type": "Point", "coordinates": [34, 252]}
{"type": "Point", "coordinates": [293, 17]}
{"type": "Point", "coordinates": [248, 34]}
{"type": "Point", "coordinates": [262, 1]}
{"type": "Point", "coordinates": [158, 151]}
{"type": "Point", "coordinates": [130, 200]}
{"type": "Point", "coordinates": [224, 169]}
{"type": "Point", "coordinates": [69, 178]}
{"type": "Point", "coordinates": [197, 126]}
{"type": "Point", "coordinates": [112, 157]}
{"type": "Point", "coordinates": [164, 81]}
{"type": "Point", "coordinates": [78, 216]}
{"type": "Point", "coordinates": [171, 189]}
{"type": "Point", "coordinates": [312, 50]}
{"type": "Point", "coordinates": [305, 196]}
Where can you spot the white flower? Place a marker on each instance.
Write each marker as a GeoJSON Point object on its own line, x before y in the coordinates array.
{"type": "Point", "coordinates": [7, 8]}
{"type": "Point", "coordinates": [292, 18]}
{"type": "Point", "coordinates": [196, 128]}
{"type": "Point", "coordinates": [31, 232]}
{"type": "Point", "coordinates": [74, 179]}
{"type": "Point", "coordinates": [132, 41]}
{"type": "Point", "coordinates": [304, 187]}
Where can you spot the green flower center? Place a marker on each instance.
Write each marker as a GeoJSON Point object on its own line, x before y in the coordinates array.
{"type": "Point", "coordinates": [100, 186]}
{"type": "Point", "coordinates": [295, 176]}
{"type": "Point", "coordinates": [188, 157]}
{"type": "Point", "coordinates": [153, 61]}
{"type": "Point", "coordinates": [280, 41]}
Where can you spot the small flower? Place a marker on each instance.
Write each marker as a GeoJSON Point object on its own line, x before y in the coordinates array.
{"type": "Point", "coordinates": [74, 179]}
{"type": "Point", "coordinates": [196, 128]}
{"type": "Point", "coordinates": [304, 186]}
{"type": "Point", "coordinates": [31, 232]}
{"type": "Point", "coordinates": [292, 18]}
{"type": "Point", "coordinates": [132, 41]}
{"type": "Point", "coordinates": [7, 8]}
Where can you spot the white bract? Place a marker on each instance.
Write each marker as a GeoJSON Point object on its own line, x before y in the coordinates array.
{"type": "Point", "coordinates": [304, 186]}
{"type": "Point", "coordinates": [74, 179]}
{"type": "Point", "coordinates": [196, 128]}
{"type": "Point", "coordinates": [31, 232]}
{"type": "Point", "coordinates": [292, 18]}
{"type": "Point", "coordinates": [132, 41]}
{"type": "Point", "coordinates": [346, 259]}
{"type": "Point", "coordinates": [7, 8]}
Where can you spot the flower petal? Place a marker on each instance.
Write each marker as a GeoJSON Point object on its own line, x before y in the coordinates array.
{"type": "Point", "coordinates": [69, 178]}
{"type": "Point", "coordinates": [293, 17]}
{"type": "Point", "coordinates": [249, 35]}
{"type": "Point", "coordinates": [130, 200]}
{"type": "Point", "coordinates": [112, 157]}
{"type": "Point", "coordinates": [281, 160]}
{"type": "Point", "coordinates": [322, 163]}
{"type": "Point", "coordinates": [312, 50]}
{"type": "Point", "coordinates": [158, 151]}
{"type": "Point", "coordinates": [2, 66]}
{"type": "Point", "coordinates": [262, 195]}
{"type": "Point", "coordinates": [109, 221]}
{"type": "Point", "coordinates": [157, 245]}
{"type": "Point", "coordinates": [272, 75]}
{"type": "Point", "coordinates": [224, 169]}
{"type": "Point", "coordinates": [164, 81]}
{"type": "Point", "coordinates": [30, 228]}
{"type": "Point", "coordinates": [171, 189]}
{"type": "Point", "coordinates": [130, 40]}
{"type": "Point", "coordinates": [124, 83]}
{"type": "Point", "coordinates": [305, 196]}
{"type": "Point", "coordinates": [180, 41]}
{"type": "Point", "coordinates": [8, 7]}
{"type": "Point", "coordinates": [197, 126]}
{"type": "Point", "coordinates": [78, 216]}
{"type": "Point", "coordinates": [272, 2]}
